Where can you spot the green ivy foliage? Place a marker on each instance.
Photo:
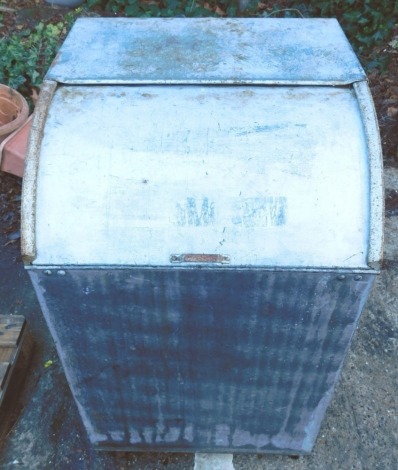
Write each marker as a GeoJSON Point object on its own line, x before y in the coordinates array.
{"type": "Point", "coordinates": [368, 24]}
{"type": "Point", "coordinates": [162, 8]}
{"type": "Point", "coordinates": [25, 56]}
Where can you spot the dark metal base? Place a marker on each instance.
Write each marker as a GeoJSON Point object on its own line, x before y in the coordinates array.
{"type": "Point", "coordinates": [208, 360]}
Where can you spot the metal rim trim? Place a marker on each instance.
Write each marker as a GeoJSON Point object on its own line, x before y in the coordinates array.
{"type": "Point", "coordinates": [375, 156]}
{"type": "Point", "coordinates": [29, 188]}
{"type": "Point", "coordinates": [63, 269]}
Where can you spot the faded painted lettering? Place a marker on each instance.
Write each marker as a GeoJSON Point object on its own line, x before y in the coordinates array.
{"type": "Point", "coordinates": [195, 213]}
{"type": "Point", "coordinates": [260, 211]}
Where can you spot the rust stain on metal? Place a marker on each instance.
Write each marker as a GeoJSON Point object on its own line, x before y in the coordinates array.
{"type": "Point", "coordinates": [199, 258]}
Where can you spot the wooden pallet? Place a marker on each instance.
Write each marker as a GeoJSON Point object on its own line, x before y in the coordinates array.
{"type": "Point", "coordinates": [15, 348]}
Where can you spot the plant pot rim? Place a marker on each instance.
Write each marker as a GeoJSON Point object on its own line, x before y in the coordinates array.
{"type": "Point", "coordinates": [23, 113]}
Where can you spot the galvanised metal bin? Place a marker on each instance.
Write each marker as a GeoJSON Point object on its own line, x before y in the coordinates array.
{"type": "Point", "coordinates": [202, 222]}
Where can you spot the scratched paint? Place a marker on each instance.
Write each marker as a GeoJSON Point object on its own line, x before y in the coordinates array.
{"type": "Point", "coordinates": [206, 50]}
{"type": "Point", "coordinates": [203, 173]}
{"type": "Point", "coordinates": [195, 213]}
{"type": "Point", "coordinates": [261, 212]}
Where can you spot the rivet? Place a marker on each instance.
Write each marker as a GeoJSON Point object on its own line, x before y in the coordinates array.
{"type": "Point", "coordinates": [61, 272]}
{"type": "Point", "coordinates": [358, 277]}
{"type": "Point", "coordinates": [47, 272]}
{"type": "Point", "coordinates": [340, 277]}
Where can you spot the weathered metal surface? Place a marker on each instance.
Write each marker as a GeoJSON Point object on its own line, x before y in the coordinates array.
{"type": "Point", "coordinates": [202, 359]}
{"type": "Point", "coordinates": [206, 50]}
{"type": "Point", "coordinates": [29, 188]}
{"type": "Point", "coordinates": [375, 159]}
{"type": "Point", "coordinates": [270, 176]}
{"type": "Point", "coordinates": [184, 240]}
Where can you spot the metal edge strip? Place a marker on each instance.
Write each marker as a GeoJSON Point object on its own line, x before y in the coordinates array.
{"type": "Point", "coordinates": [29, 186]}
{"type": "Point", "coordinates": [375, 159]}
{"type": "Point", "coordinates": [199, 82]}
{"type": "Point", "coordinates": [62, 269]}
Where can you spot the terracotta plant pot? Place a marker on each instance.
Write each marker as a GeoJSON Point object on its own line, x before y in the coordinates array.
{"type": "Point", "coordinates": [14, 111]}
{"type": "Point", "coordinates": [13, 150]}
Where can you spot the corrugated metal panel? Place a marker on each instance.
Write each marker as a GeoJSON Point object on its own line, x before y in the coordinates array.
{"type": "Point", "coordinates": [206, 50]}
{"type": "Point", "coordinates": [212, 360]}
{"type": "Point", "coordinates": [264, 176]}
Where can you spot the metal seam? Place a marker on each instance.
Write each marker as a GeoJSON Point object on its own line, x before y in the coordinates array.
{"type": "Point", "coordinates": [200, 82]}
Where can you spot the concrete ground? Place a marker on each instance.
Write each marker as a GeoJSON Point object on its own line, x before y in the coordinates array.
{"type": "Point", "coordinates": [360, 430]}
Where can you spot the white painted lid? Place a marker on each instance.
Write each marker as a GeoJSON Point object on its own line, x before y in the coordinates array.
{"type": "Point", "coordinates": [266, 176]}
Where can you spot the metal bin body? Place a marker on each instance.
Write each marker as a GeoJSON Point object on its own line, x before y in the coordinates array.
{"type": "Point", "coordinates": [202, 223]}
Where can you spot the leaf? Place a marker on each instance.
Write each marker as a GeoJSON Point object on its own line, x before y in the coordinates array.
{"type": "Point", "coordinates": [132, 10]}
{"type": "Point", "coordinates": [394, 43]}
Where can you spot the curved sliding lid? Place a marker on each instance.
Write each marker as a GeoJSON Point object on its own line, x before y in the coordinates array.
{"type": "Point", "coordinates": [206, 50]}
{"type": "Point", "coordinates": [251, 176]}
